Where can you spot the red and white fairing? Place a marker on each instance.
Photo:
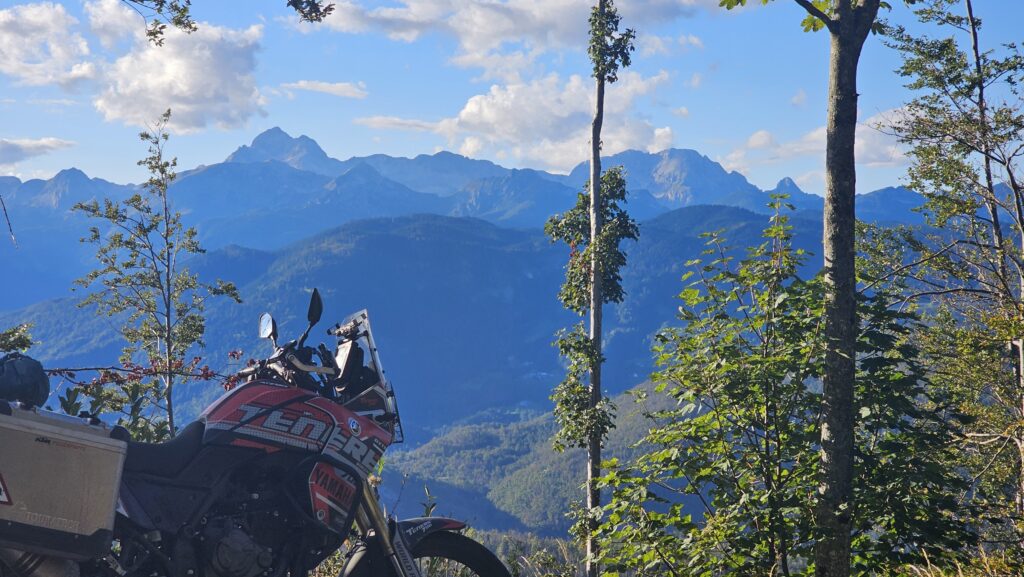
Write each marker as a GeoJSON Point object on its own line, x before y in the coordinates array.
{"type": "Point", "coordinates": [345, 441]}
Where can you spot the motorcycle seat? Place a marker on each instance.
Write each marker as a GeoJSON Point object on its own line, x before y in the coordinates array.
{"type": "Point", "coordinates": [165, 459]}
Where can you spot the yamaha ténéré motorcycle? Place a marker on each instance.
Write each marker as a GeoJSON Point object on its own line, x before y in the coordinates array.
{"type": "Point", "coordinates": [273, 478]}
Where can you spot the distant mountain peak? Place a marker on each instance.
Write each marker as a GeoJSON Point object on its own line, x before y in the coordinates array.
{"type": "Point", "coordinates": [69, 186]}
{"type": "Point", "coordinates": [300, 152]}
{"type": "Point", "coordinates": [364, 171]}
{"type": "Point", "coordinates": [787, 186]}
{"type": "Point", "coordinates": [69, 173]}
{"type": "Point", "coordinates": [270, 137]}
{"type": "Point", "coordinates": [276, 144]}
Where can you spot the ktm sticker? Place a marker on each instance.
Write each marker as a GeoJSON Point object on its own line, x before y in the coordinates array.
{"type": "Point", "coordinates": [5, 496]}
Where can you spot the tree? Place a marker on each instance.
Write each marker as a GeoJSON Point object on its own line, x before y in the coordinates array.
{"type": "Point", "coordinates": [584, 415]}
{"type": "Point", "coordinates": [848, 23]}
{"type": "Point", "coordinates": [143, 281]}
{"type": "Point", "coordinates": [15, 338]}
{"type": "Point", "coordinates": [585, 291]}
{"type": "Point", "coordinates": [725, 481]}
{"type": "Point", "coordinates": [178, 13]}
{"type": "Point", "coordinates": [965, 132]}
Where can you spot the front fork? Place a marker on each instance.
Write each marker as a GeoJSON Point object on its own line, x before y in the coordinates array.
{"type": "Point", "coordinates": [370, 516]}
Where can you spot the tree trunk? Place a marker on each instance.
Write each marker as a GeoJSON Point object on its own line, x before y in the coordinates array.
{"type": "Point", "coordinates": [835, 507]}
{"type": "Point", "coordinates": [1019, 440]}
{"type": "Point", "coordinates": [594, 443]}
{"type": "Point", "coordinates": [168, 296]}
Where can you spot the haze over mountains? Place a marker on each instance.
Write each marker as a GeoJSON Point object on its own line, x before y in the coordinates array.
{"type": "Point", "coordinates": [448, 255]}
{"type": "Point", "coordinates": [452, 259]}
{"type": "Point", "coordinates": [281, 189]}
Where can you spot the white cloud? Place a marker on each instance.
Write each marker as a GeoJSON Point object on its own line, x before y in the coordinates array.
{"type": "Point", "coordinates": [811, 181]}
{"type": "Point", "coordinates": [546, 121]}
{"type": "Point", "coordinates": [760, 139]}
{"type": "Point", "coordinates": [471, 146]}
{"type": "Point", "coordinates": [799, 98]}
{"type": "Point", "coordinates": [343, 89]}
{"type": "Point", "coordinates": [663, 139]}
{"type": "Point", "coordinates": [507, 66]}
{"type": "Point", "coordinates": [38, 46]}
{"type": "Point", "coordinates": [691, 40]}
{"type": "Point", "coordinates": [873, 148]}
{"type": "Point", "coordinates": [735, 160]}
{"type": "Point", "coordinates": [112, 21]}
{"type": "Point", "coordinates": [681, 112]}
{"type": "Point", "coordinates": [53, 102]}
{"type": "Point", "coordinates": [696, 80]}
{"type": "Point", "coordinates": [486, 30]}
{"type": "Point", "coordinates": [396, 123]}
{"type": "Point", "coordinates": [649, 45]}
{"type": "Point", "coordinates": [13, 151]}
{"type": "Point", "coordinates": [205, 78]}
{"type": "Point", "coordinates": [811, 143]}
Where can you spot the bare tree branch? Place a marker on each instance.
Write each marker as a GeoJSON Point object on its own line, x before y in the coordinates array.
{"type": "Point", "coordinates": [8, 219]}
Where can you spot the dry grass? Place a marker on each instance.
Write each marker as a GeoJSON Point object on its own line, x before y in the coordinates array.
{"type": "Point", "coordinates": [984, 565]}
{"type": "Point", "coordinates": [331, 566]}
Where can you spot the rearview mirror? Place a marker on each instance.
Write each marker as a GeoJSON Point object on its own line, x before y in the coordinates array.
{"type": "Point", "coordinates": [316, 308]}
{"type": "Point", "coordinates": [268, 328]}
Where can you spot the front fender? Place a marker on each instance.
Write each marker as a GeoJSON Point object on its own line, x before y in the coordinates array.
{"type": "Point", "coordinates": [414, 530]}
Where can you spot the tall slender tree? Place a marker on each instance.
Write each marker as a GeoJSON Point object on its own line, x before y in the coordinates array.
{"type": "Point", "coordinates": [609, 50]}
{"type": "Point", "coordinates": [594, 229]}
{"type": "Point", "coordinates": [848, 23]}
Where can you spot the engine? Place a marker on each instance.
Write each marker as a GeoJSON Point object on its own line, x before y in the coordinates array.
{"type": "Point", "coordinates": [230, 551]}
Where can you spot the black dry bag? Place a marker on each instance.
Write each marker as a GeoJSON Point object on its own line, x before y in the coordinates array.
{"type": "Point", "coordinates": [23, 379]}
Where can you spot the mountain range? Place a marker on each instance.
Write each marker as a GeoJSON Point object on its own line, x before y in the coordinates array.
{"type": "Point", "coordinates": [448, 255]}
{"type": "Point", "coordinates": [279, 189]}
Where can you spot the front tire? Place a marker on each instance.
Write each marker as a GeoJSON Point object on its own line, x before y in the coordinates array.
{"type": "Point", "coordinates": [449, 554]}
{"type": "Point", "coordinates": [443, 554]}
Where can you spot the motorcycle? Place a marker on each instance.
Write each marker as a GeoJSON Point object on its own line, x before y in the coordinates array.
{"type": "Point", "coordinates": [272, 479]}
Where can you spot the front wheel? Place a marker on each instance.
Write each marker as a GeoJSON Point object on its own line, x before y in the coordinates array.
{"type": "Point", "coordinates": [443, 554]}
{"type": "Point", "coordinates": [448, 554]}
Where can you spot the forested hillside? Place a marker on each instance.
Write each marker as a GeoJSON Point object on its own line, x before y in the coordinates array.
{"type": "Point", "coordinates": [506, 475]}
{"type": "Point", "coordinates": [462, 308]}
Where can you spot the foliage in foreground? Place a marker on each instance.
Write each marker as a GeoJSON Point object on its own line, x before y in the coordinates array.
{"type": "Point", "coordinates": [964, 130]}
{"type": "Point", "coordinates": [16, 338]}
{"type": "Point", "coordinates": [142, 281]}
{"type": "Point", "coordinates": [742, 440]}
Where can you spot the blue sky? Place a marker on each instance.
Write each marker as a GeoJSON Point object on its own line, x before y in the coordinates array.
{"type": "Point", "coordinates": [504, 80]}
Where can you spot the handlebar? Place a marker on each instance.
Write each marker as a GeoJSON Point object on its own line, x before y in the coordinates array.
{"type": "Point", "coordinates": [292, 360]}
{"type": "Point", "coordinates": [311, 368]}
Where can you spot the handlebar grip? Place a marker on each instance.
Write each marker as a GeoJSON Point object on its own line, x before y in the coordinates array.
{"type": "Point", "coordinates": [245, 372]}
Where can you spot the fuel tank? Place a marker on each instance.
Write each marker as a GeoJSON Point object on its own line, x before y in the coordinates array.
{"type": "Point", "coordinates": [275, 416]}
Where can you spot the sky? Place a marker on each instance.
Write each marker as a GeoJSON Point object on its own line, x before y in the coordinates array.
{"type": "Point", "coordinates": [502, 80]}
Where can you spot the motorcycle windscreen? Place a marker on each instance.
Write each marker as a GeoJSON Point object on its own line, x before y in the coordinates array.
{"type": "Point", "coordinates": [334, 495]}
